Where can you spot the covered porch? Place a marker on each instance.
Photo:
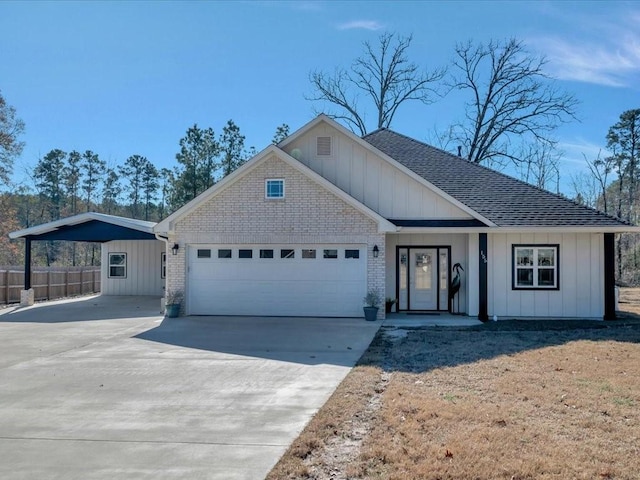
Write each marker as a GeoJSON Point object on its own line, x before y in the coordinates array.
{"type": "Point", "coordinates": [470, 271]}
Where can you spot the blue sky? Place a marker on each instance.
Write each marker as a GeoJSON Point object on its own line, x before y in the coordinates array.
{"type": "Point", "coordinates": [124, 78]}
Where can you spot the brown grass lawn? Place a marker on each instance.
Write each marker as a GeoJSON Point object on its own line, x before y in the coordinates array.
{"type": "Point", "coordinates": [512, 400]}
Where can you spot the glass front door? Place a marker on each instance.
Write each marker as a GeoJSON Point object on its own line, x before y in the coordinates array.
{"type": "Point", "coordinates": [423, 278]}
{"type": "Point", "coordinates": [423, 283]}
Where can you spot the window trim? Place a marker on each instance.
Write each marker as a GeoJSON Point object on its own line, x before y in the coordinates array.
{"type": "Point", "coordinates": [118, 277]}
{"type": "Point", "coordinates": [266, 189]}
{"type": "Point", "coordinates": [163, 265]}
{"type": "Point", "coordinates": [535, 247]}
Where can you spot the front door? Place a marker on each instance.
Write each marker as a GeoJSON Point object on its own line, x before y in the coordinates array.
{"type": "Point", "coordinates": [423, 282]}
{"type": "Point", "coordinates": [423, 278]}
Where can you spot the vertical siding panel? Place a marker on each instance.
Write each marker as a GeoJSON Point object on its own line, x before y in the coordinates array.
{"type": "Point", "coordinates": [568, 274]}
{"type": "Point", "coordinates": [357, 176]}
{"type": "Point", "coordinates": [371, 182]}
{"type": "Point", "coordinates": [597, 275]}
{"type": "Point", "coordinates": [385, 192]}
{"type": "Point", "coordinates": [498, 287]}
{"type": "Point", "coordinates": [400, 200]}
{"type": "Point", "coordinates": [583, 274]}
{"type": "Point", "coordinates": [414, 200]}
{"type": "Point", "coordinates": [343, 170]}
{"type": "Point", "coordinates": [555, 297]}
{"type": "Point", "coordinates": [513, 298]}
{"type": "Point", "coordinates": [143, 268]}
{"type": "Point", "coordinates": [429, 204]}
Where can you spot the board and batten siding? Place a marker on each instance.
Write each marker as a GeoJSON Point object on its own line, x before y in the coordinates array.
{"type": "Point", "coordinates": [369, 179]}
{"type": "Point", "coordinates": [143, 268]}
{"type": "Point", "coordinates": [459, 254]}
{"type": "Point", "coordinates": [581, 277]}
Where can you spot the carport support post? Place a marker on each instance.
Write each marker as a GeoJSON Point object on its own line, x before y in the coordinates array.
{"type": "Point", "coordinates": [483, 271]}
{"type": "Point", "coordinates": [609, 277]}
{"type": "Point", "coordinates": [27, 296]}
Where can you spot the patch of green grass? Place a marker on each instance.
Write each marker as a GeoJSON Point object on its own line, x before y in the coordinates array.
{"type": "Point", "coordinates": [624, 401]}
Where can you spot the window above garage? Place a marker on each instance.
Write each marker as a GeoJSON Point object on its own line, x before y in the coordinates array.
{"type": "Point", "coordinates": [274, 188]}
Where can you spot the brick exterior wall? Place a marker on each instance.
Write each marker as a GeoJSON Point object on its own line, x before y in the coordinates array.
{"type": "Point", "coordinates": [308, 214]}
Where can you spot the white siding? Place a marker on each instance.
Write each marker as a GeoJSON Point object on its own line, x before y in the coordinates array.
{"type": "Point", "coordinates": [143, 268]}
{"type": "Point", "coordinates": [370, 179]}
{"type": "Point", "coordinates": [459, 248]}
{"type": "Point", "coordinates": [581, 293]}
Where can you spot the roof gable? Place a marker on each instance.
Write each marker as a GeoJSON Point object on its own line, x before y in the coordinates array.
{"type": "Point", "coordinates": [291, 141]}
{"type": "Point", "coordinates": [89, 227]}
{"type": "Point", "coordinates": [167, 225]}
{"type": "Point", "coordinates": [504, 200]}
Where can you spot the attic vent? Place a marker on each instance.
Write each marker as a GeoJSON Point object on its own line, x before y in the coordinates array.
{"type": "Point", "coordinates": [323, 146]}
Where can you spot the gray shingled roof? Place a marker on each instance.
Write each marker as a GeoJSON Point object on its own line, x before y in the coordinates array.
{"type": "Point", "coordinates": [505, 201]}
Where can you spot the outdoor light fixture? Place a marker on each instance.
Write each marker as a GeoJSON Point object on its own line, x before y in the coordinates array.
{"type": "Point", "coordinates": [175, 248]}
{"type": "Point", "coordinates": [376, 251]}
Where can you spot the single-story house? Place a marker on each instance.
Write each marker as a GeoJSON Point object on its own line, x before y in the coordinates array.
{"type": "Point", "coordinates": [308, 226]}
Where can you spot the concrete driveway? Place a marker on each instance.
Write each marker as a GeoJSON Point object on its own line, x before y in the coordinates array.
{"type": "Point", "coordinates": [104, 388]}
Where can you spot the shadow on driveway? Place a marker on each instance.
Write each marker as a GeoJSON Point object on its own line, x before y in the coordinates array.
{"type": "Point", "coordinates": [309, 341]}
{"type": "Point", "coordinates": [82, 309]}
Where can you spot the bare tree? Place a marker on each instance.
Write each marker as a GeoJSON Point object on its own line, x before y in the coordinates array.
{"type": "Point", "coordinates": [600, 169]}
{"type": "Point", "coordinates": [539, 165]}
{"type": "Point", "coordinates": [383, 75]}
{"type": "Point", "coordinates": [512, 99]}
{"type": "Point", "coordinates": [586, 190]}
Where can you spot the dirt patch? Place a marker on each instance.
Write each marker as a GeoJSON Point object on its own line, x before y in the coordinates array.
{"type": "Point", "coordinates": [505, 400]}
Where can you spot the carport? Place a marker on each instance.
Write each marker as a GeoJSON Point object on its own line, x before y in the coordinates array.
{"type": "Point", "coordinates": [93, 227]}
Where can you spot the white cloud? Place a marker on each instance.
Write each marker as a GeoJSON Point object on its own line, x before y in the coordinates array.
{"type": "Point", "coordinates": [608, 55]}
{"type": "Point", "coordinates": [361, 24]}
{"type": "Point", "coordinates": [308, 5]}
{"type": "Point", "coordinates": [577, 150]}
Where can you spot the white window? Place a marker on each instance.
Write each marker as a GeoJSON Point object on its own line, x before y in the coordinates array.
{"type": "Point", "coordinates": [535, 267]}
{"type": "Point", "coordinates": [274, 188]}
{"type": "Point", "coordinates": [117, 265]}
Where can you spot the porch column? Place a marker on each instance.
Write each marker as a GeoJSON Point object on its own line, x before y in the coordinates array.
{"type": "Point", "coordinates": [609, 277]}
{"type": "Point", "coordinates": [27, 296]}
{"type": "Point", "coordinates": [483, 274]}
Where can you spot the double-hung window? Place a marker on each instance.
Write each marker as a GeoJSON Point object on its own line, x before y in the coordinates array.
{"type": "Point", "coordinates": [117, 265]}
{"type": "Point", "coordinates": [535, 267]}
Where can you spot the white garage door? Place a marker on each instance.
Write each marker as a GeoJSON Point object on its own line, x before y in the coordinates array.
{"type": "Point", "coordinates": [282, 280]}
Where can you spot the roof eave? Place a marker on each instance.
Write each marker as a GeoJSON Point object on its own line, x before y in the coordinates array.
{"type": "Point", "coordinates": [140, 225]}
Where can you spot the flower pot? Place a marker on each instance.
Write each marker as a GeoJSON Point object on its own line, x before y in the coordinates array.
{"type": "Point", "coordinates": [172, 310]}
{"type": "Point", "coordinates": [370, 313]}
{"type": "Point", "coordinates": [388, 307]}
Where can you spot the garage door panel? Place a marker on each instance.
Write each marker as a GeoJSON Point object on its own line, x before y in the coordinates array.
{"type": "Point", "coordinates": [276, 286]}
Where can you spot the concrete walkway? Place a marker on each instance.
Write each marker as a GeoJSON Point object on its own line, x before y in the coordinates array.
{"type": "Point", "coordinates": [104, 388]}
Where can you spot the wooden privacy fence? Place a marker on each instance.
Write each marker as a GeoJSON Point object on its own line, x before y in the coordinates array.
{"type": "Point", "coordinates": [49, 282]}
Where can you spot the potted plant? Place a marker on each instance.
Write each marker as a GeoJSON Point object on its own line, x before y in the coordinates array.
{"type": "Point", "coordinates": [173, 299]}
{"type": "Point", "coordinates": [371, 302]}
{"type": "Point", "coordinates": [388, 304]}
